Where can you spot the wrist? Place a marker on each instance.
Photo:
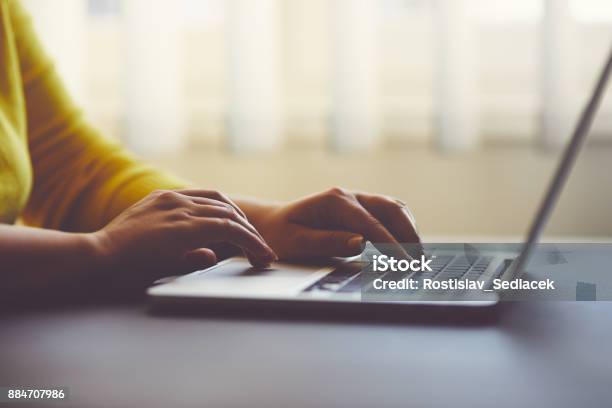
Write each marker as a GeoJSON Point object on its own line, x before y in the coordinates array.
{"type": "Point", "coordinates": [258, 213]}
{"type": "Point", "coordinates": [95, 249]}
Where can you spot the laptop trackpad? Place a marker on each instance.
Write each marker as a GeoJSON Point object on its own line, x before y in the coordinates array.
{"type": "Point", "coordinates": [238, 278]}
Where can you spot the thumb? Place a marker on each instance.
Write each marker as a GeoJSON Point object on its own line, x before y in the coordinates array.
{"type": "Point", "coordinates": [316, 242]}
{"type": "Point", "coordinates": [198, 259]}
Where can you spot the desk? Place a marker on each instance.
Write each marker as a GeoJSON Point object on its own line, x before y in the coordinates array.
{"type": "Point", "coordinates": [556, 354]}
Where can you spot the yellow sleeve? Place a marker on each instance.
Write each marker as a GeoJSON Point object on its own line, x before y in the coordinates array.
{"type": "Point", "coordinates": [81, 180]}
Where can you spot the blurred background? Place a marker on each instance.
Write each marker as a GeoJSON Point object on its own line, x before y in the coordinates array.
{"type": "Point", "coordinates": [458, 107]}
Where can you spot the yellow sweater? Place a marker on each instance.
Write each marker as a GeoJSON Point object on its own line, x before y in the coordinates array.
{"type": "Point", "coordinates": [55, 170]}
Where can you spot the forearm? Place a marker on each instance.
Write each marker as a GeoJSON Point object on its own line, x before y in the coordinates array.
{"type": "Point", "coordinates": [33, 259]}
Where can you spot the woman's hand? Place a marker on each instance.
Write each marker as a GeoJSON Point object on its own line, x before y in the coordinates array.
{"type": "Point", "coordinates": [169, 231]}
{"type": "Point", "coordinates": [334, 223]}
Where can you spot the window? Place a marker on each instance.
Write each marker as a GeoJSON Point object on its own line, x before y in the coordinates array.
{"type": "Point", "coordinates": [508, 76]}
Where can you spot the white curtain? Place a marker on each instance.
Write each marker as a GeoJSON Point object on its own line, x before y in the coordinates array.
{"type": "Point", "coordinates": [254, 74]}
{"type": "Point", "coordinates": [355, 59]}
{"type": "Point", "coordinates": [337, 65]}
{"type": "Point", "coordinates": [152, 76]}
{"type": "Point", "coordinates": [456, 80]}
{"type": "Point", "coordinates": [559, 103]}
{"type": "Point", "coordinates": [63, 27]}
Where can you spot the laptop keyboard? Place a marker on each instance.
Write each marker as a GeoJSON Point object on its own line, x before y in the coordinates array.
{"type": "Point", "coordinates": [347, 278]}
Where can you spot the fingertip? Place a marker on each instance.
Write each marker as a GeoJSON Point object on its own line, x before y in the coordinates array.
{"type": "Point", "coordinates": [274, 256]}
{"type": "Point", "coordinates": [356, 244]}
{"type": "Point", "coordinates": [260, 261]}
{"type": "Point", "coordinates": [269, 253]}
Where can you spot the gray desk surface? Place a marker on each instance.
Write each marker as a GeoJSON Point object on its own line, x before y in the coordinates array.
{"type": "Point", "coordinates": [555, 354]}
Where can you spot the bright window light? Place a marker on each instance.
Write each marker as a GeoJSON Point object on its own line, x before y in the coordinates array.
{"type": "Point", "coordinates": [103, 8]}
{"type": "Point", "coordinates": [488, 11]}
{"type": "Point", "coordinates": [204, 13]}
{"type": "Point", "coordinates": [592, 10]}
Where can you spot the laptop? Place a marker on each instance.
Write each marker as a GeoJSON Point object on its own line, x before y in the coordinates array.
{"type": "Point", "coordinates": [336, 282]}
